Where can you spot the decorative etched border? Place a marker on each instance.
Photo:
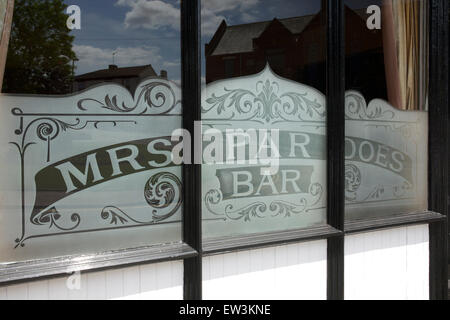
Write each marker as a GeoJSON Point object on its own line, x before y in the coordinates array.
{"type": "Point", "coordinates": [155, 97]}
{"type": "Point", "coordinates": [160, 190]}
{"type": "Point", "coordinates": [379, 114]}
{"type": "Point", "coordinates": [267, 103]}
{"type": "Point", "coordinates": [260, 210]}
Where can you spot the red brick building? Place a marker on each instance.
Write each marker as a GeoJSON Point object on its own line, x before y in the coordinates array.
{"type": "Point", "coordinates": [295, 48]}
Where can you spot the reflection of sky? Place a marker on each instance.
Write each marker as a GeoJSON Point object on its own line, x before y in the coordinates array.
{"type": "Point", "coordinates": [148, 31]}
{"type": "Point", "coordinates": [141, 32]}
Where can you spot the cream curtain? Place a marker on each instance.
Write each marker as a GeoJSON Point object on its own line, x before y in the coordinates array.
{"type": "Point", "coordinates": [405, 42]}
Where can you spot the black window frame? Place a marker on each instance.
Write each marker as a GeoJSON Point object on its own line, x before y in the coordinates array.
{"type": "Point", "coordinates": [337, 227]}
{"type": "Point", "coordinates": [192, 249]}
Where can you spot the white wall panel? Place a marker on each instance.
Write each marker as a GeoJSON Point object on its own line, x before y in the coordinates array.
{"type": "Point", "coordinates": [3, 295]}
{"type": "Point", "coordinates": [295, 271]}
{"type": "Point", "coordinates": [388, 264]}
{"type": "Point", "coordinates": [16, 292]}
{"type": "Point", "coordinates": [38, 290]}
{"type": "Point", "coordinates": [151, 281]}
{"type": "Point", "coordinates": [162, 281]}
{"type": "Point", "coordinates": [57, 289]}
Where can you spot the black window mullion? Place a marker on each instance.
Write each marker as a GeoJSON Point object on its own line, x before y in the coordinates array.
{"type": "Point", "coordinates": [190, 47]}
{"type": "Point", "coordinates": [335, 145]}
{"type": "Point", "coordinates": [438, 145]}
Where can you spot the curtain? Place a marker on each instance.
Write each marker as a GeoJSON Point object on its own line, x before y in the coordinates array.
{"type": "Point", "coordinates": [405, 42]}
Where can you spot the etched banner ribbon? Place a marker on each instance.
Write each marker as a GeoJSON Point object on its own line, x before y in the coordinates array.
{"type": "Point", "coordinates": [77, 173]}
{"type": "Point", "coordinates": [248, 182]}
{"type": "Point", "coordinates": [243, 182]}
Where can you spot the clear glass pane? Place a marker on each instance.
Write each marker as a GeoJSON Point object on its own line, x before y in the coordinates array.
{"type": "Point", "coordinates": [386, 104]}
{"type": "Point", "coordinates": [91, 98]}
{"type": "Point", "coordinates": [263, 116]}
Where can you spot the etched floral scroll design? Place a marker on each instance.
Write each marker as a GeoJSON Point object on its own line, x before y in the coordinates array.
{"type": "Point", "coordinates": [155, 97]}
{"type": "Point", "coordinates": [353, 182]}
{"type": "Point", "coordinates": [265, 104]}
{"type": "Point", "coordinates": [162, 193]}
{"type": "Point", "coordinates": [356, 108]}
{"type": "Point", "coordinates": [48, 128]}
{"type": "Point", "coordinates": [261, 210]}
{"type": "Point", "coordinates": [45, 128]}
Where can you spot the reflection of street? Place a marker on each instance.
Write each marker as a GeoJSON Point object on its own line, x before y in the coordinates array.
{"type": "Point", "coordinates": [295, 48]}
{"type": "Point", "coordinates": [40, 53]}
{"type": "Point", "coordinates": [129, 77]}
{"type": "Point", "coordinates": [46, 56]}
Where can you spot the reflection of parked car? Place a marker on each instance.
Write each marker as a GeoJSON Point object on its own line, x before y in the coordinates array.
{"type": "Point", "coordinates": [129, 77]}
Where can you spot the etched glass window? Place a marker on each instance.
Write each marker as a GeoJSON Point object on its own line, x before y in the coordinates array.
{"type": "Point", "coordinates": [264, 126]}
{"type": "Point", "coordinates": [386, 103]}
{"type": "Point", "coordinates": [91, 96]}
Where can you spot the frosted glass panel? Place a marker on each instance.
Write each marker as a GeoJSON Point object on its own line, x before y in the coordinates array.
{"type": "Point", "coordinates": [385, 158]}
{"type": "Point", "coordinates": [386, 149]}
{"type": "Point", "coordinates": [263, 117]}
{"type": "Point", "coordinates": [86, 123]}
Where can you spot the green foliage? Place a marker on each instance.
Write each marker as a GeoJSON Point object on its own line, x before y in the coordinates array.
{"type": "Point", "coordinates": [40, 51]}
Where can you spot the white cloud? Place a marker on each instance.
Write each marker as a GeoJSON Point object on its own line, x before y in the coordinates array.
{"type": "Point", "coordinates": [246, 17]}
{"type": "Point", "coordinates": [212, 12]}
{"type": "Point", "coordinates": [227, 5]}
{"type": "Point", "coordinates": [210, 21]}
{"type": "Point", "coordinates": [151, 14]}
{"type": "Point", "coordinates": [125, 2]}
{"type": "Point", "coordinates": [154, 14]}
{"type": "Point", "coordinates": [93, 58]}
{"type": "Point", "coordinates": [171, 64]}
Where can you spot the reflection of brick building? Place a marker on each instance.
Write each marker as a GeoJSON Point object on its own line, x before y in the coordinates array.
{"type": "Point", "coordinates": [295, 49]}
{"type": "Point", "coordinates": [129, 77]}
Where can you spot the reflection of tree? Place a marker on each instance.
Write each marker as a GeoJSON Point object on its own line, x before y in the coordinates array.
{"type": "Point", "coordinates": [40, 51]}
